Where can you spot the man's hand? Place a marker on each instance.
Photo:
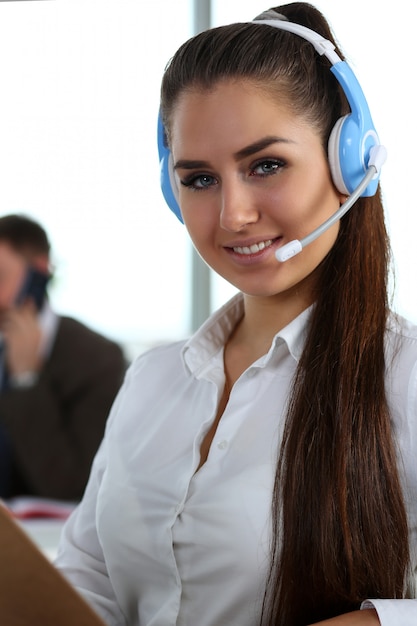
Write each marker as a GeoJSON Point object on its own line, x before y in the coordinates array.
{"type": "Point", "coordinates": [22, 337]}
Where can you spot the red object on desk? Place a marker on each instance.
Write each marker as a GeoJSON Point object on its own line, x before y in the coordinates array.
{"type": "Point", "coordinates": [32, 508]}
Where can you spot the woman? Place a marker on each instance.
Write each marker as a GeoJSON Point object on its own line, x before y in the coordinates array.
{"type": "Point", "coordinates": [264, 471]}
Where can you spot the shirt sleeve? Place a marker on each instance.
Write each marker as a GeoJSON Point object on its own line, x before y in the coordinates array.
{"type": "Point", "coordinates": [80, 557]}
{"type": "Point", "coordinates": [394, 612]}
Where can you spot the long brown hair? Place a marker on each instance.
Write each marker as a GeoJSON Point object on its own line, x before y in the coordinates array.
{"type": "Point", "coordinates": [339, 524]}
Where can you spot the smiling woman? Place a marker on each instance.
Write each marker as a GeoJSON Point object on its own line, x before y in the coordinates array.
{"type": "Point", "coordinates": [263, 470]}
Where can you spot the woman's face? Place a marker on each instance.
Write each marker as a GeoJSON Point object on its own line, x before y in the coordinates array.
{"type": "Point", "coordinates": [252, 176]}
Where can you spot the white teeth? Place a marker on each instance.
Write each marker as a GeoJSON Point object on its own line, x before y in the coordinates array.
{"type": "Point", "coordinates": [256, 247]}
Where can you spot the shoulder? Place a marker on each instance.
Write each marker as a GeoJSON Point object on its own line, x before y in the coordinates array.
{"type": "Point", "coordinates": [69, 328]}
{"type": "Point", "coordinates": [399, 325]}
{"type": "Point", "coordinates": [154, 381]}
{"type": "Point", "coordinates": [75, 338]}
{"type": "Point", "coordinates": [157, 374]}
{"type": "Point", "coordinates": [160, 360]}
{"type": "Point", "coordinates": [401, 370]}
{"type": "Point", "coordinates": [401, 392]}
{"type": "Point", "coordinates": [401, 339]}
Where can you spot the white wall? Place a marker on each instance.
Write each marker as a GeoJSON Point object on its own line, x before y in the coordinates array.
{"type": "Point", "coordinates": [80, 83]}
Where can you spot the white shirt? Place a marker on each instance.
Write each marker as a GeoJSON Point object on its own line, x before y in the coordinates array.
{"type": "Point", "coordinates": [155, 543]}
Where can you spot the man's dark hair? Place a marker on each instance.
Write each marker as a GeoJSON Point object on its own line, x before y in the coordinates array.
{"type": "Point", "coordinates": [24, 234]}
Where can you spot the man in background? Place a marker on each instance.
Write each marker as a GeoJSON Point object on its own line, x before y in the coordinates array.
{"type": "Point", "coordinates": [58, 377]}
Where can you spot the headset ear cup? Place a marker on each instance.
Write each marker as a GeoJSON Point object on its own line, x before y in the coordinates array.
{"type": "Point", "coordinates": [334, 156]}
{"type": "Point", "coordinates": [350, 143]}
{"type": "Point", "coordinates": [167, 177]}
{"type": "Point", "coordinates": [173, 180]}
{"type": "Point", "coordinates": [168, 185]}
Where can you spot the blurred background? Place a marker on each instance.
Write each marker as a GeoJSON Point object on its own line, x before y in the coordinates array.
{"type": "Point", "coordinates": [79, 84]}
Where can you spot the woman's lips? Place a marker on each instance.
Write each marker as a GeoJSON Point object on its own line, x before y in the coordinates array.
{"type": "Point", "coordinates": [256, 247]}
{"type": "Point", "coordinates": [253, 251]}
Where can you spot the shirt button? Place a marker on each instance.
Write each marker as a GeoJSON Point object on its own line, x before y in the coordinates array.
{"type": "Point", "coordinates": [222, 444]}
{"type": "Point", "coordinates": [252, 372]}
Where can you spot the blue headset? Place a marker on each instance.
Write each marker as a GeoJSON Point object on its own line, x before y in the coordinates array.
{"type": "Point", "coordinates": [351, 140]}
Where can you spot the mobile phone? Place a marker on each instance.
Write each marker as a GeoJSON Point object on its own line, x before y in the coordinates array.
{"type": "Point", "coordinates": [33, 287]}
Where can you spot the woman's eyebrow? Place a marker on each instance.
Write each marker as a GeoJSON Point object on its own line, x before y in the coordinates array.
{"type": "Point", "coordinates": [253, 148]}
{"type": "Point", "coordinates": [190, 164]}
{"type": "Point", "coordinates": [257, 146]}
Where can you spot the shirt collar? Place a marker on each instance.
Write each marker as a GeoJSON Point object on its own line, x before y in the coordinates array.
{"type": "Point", "coordinates": [294, 335]}
{"type": "Point", "coordinates": [213, 334]}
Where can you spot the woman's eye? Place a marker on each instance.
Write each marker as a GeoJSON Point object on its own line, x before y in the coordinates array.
{"type": "Point", "coordinates": [266, 168]}
{"type": "Point", "coordinates": [201, 181]}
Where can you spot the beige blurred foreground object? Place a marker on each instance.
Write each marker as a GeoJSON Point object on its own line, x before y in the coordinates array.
{"type": "Point", "coordinates": [32, 591]}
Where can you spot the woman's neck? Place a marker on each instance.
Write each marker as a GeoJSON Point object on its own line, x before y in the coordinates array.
{"type": "Point", "coordinates": [263, 318]}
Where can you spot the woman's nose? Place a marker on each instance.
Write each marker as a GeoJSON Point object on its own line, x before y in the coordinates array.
{"type": "Point", "coordinates": [238, 208]}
